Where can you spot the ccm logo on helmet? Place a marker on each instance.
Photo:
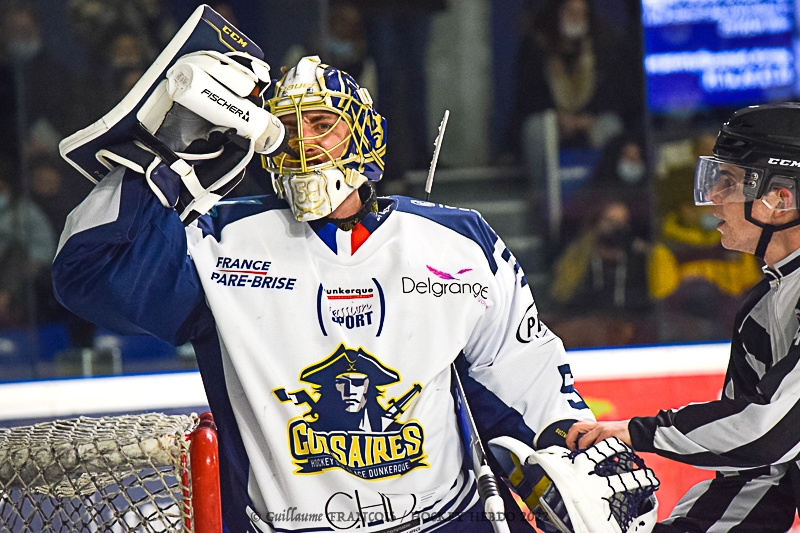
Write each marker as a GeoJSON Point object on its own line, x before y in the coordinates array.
{"type": "Point", "coordinates": [227, 105]}
{"type": "Point", "coordinates": [783, 162]}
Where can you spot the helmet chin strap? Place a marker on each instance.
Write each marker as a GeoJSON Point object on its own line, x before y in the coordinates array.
{"type": "Point", "coordinates": [766, 229]}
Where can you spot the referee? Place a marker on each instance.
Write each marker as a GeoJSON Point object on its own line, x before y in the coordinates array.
{"type": "Point", "coordinates": [751, 436]}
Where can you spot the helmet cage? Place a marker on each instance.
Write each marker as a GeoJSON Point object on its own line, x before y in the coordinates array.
{"type": "Point", "coordinates": [334, 91]}
{"type": "Point", "coordinates": [297, 162]}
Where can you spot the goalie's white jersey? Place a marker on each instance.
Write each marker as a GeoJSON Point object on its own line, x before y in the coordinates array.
{"type": "Point", "coordinates": [325, 353]}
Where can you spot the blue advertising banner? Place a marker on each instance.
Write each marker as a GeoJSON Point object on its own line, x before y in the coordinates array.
{"type": "Point", "coordinates": [702, 54]}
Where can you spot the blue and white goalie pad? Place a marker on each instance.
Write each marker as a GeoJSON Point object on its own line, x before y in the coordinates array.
{"type": "Point", "coordinates": [191, 123]}
{"type": "Point", "coordinates": [606, 488]}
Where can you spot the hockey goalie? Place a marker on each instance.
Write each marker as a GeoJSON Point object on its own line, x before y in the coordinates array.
{"type": "Point", "coordinates": [325, 318]}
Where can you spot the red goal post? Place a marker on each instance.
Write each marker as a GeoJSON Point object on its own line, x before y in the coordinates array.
{"type": "Point", "coordinates": [148, 472]}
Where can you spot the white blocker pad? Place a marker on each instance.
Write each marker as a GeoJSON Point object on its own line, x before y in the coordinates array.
{"type": "Point", "coordinates": [605, 488]}
{"type": "Point", "coordinates": [204, 30]}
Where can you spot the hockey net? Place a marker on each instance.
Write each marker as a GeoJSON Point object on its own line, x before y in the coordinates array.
{"type": "Point", "coordinates": [143, 473]}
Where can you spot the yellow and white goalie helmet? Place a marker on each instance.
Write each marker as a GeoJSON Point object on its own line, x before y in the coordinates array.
{"type": "Point", "coordinates": [336, 140]}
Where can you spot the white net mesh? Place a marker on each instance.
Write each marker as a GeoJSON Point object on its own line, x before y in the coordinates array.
{"type": "Point", "coordinates": [116, 474]}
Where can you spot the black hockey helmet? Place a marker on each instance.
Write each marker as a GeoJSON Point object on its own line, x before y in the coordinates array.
{"type": "Point", "coordinates": [757, 152]}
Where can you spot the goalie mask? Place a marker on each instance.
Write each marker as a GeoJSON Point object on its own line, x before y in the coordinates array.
{"type": "Point", "coordinates": [756, 158]}
{"type": "Point", "coordinates": [336, 139]}
{"type": "Point", "coordinates": [604, 489]}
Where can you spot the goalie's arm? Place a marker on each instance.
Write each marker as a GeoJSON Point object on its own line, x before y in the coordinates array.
{"type": "Point", "coordinates": [122, 263]}
{"type": "Point", "coordinates": [515, 368]}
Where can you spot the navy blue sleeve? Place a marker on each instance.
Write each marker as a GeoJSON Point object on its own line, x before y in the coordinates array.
{"type": "Point", "coordinates": [122, 263]}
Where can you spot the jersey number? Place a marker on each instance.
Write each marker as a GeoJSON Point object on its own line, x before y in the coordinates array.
{"type": "Point", "coordinates": [567, 387]}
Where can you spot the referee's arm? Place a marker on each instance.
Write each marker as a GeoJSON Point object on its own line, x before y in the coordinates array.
{"type": "Point", "coordinates": [726, 434]}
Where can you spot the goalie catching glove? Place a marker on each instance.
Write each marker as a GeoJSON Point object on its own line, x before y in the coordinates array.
{"type": "Point", "coordinates": [211, 123]}
{"type": "Point", "coordinates": [193, 121]}
{"type": "Point", "coordinates": [604, 489]}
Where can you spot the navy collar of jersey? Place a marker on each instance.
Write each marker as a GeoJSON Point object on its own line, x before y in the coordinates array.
{"type": "Point", "coordinates": [785, 266]}
{"type": "Point", "coordinates": [326, 231]}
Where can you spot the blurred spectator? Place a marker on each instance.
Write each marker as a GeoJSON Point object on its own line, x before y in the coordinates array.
{"type": "Point", "coordinates": [122, 38]}
{"type": "Point", "coordinates": [50, 191]}
{"type": "Point", "coordinates": [41, 90]}
{"type": "Point", "coordinates": [621, 171]}
{"type": "Point", "coordinates": [116, 68]}
{"type": "Point", "coordinates": [698, 284]}
{"type": "Point", "coordinates": [56, 198]}
{"type": "Point", "coordinates": [570, 65]}
{"type": "Point", "coordinates": [621, 166]}
{"type": "Point", "coordinates": [92, 21]}
{"type": "Point", "coordinates": [599, 290]}
{"type": "Point", "coordinates": [397, 38]}
{"type": "Point", "coordinates": [345, 46]}
{"type": "Point", "coordinates": [127, 59]}
{"type": "Point", "coordinates": [27, 248]}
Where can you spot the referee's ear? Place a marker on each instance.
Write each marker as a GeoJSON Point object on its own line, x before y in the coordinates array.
{"type": "Point", "coordinates": [781, 201]}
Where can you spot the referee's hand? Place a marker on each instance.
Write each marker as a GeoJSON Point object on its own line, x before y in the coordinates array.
{"type": "Point", "coordinates": [584, 434]}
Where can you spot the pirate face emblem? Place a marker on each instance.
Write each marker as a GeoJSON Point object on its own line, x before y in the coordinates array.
{"type": "Point", "coordinates": [353, 388]}
{"type": "Point", "coordinates": [349, 424]}
{"type": "Point", "coordinates": [347, 393]}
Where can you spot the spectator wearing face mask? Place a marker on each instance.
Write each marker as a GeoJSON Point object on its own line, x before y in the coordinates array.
{"type": "Point", "coordinates": [37, 91]}
{"type": "Point", "coordinates": [621, 166]}
{"type": "Point", "coordinates": [345, 45]}
{"type": "Point", "coordinates": [94, 21]}
{"type": "Point", "coordinates": [118, 66]}
{"type": "Point", "coordinates": [569, 63]}
{"type": "Point", "coordinates": [599, 284]}
{"type": "Point", "coordinates": [696, 283]}
{"type": "Point", "coordinates": [621, 171]}
{"type": "Point", "coordinates": [121, 38]}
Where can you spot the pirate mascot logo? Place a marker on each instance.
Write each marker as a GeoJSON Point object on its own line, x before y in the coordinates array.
{"type": "Point", "coordinates": [348, 426]}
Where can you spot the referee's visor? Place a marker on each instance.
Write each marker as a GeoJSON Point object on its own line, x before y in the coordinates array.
{"type": "Point", "coordinates": [719, 182]}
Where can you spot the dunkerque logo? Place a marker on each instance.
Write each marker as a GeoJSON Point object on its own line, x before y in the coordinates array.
{"type": "Point", "coordinates": [347, 424]}
{"type": "Point", "coordinates": [359, 306]}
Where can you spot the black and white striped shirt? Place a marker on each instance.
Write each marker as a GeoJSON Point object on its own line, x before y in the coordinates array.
{"type": "Point", "coordinates": [751, 436]}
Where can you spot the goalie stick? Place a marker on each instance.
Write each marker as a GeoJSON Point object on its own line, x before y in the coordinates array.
{"type": "Point", "coordinates": [493, 504]}
{"type": "Point", "coordinates": [437, 146]}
